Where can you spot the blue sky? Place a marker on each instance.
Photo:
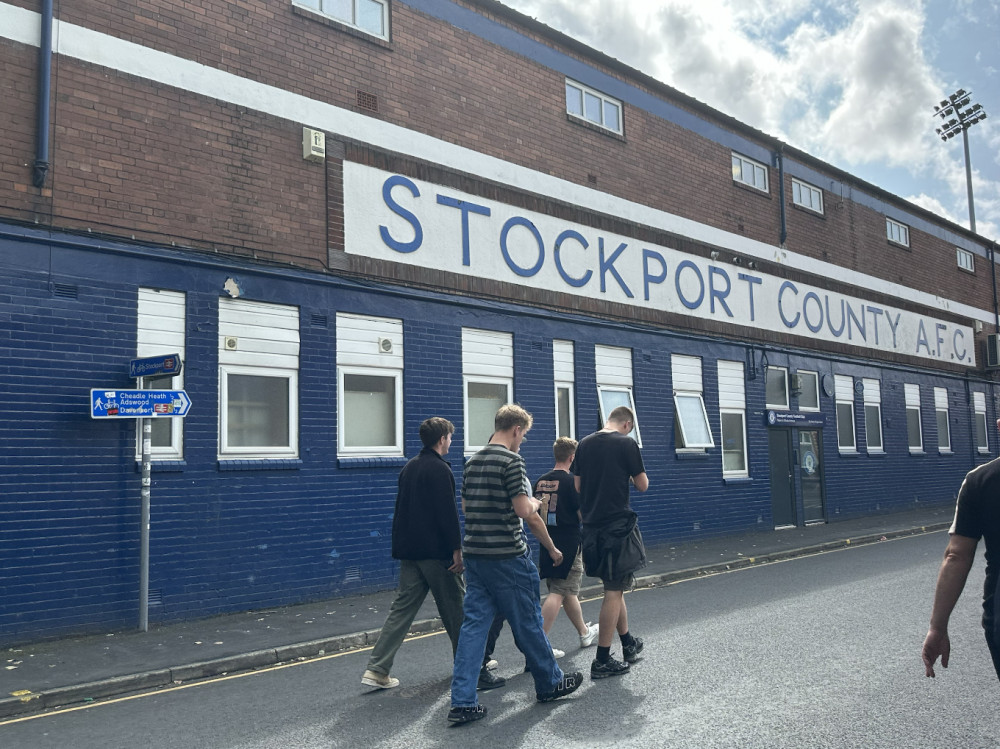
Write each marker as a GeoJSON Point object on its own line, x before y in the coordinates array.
{"type": "Point", "coordinates": [852, 82]}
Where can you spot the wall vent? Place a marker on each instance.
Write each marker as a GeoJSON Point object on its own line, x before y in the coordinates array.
{"type": "Point", "coordinates": [367, 101]}
{"type": "Point", "coordinates": [320, 321]}
{"type": "Point", "coordinates": [65, 290]}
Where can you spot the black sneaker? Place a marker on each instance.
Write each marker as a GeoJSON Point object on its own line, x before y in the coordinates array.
{"type": "Point", "coordinates": [631, 652]}
{"type": "Point", "coordinates": [610, 667]}
{"type": "Point", "coordinates": [460, 715]}
{"type": "Point", "coordinates": [567, 685]}
{"type": "Point", "coordinates": [489, 680]}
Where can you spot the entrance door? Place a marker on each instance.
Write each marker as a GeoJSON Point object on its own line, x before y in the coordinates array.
{"type": "Point", "coordinates": [779, 443]}
{"type": "Point", "coordinates": [811, 475]}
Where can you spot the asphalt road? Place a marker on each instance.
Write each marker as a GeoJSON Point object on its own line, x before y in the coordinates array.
{"type": "Point", "coordinates": [820, 651]}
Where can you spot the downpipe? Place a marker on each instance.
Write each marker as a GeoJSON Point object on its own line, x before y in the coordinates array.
{"type": "Point", "coordinates": [41, 166]}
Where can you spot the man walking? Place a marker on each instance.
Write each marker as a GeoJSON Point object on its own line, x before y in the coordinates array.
{"type": "Point", "coordinates": [426, 539]}
{"type": "Point", "coordinates": [499, 572]}
{"type": "Point", "coordinates": [612, 548]}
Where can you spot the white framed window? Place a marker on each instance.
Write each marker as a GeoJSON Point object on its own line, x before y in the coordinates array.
{"type": "Point", "coordinates": [732, 418]}
{"type": "Point", "coordinates": [258, 379]}
{"type": "Point", "coordinates": [807, 388]}
{"type": "Point", "coordinates": [941, 414]}
{"type": "Point", "coordinates": [487, 381]}
{"type": "Point", "coordinates": [897, 232]}
{"type": "Point", "coordinates": [807, 196]}
{"type": "Point", "coordinates": [160, 330]}
{"type": "Point", "coordinates": [691, 429]}
{"type": "Point", "coordinates": [370, 16]}
{"type": "Point", "coordinates": [749, 172]}
{"type": "Point", "coordinates": [564, 376]}
{"type": "Point", "coordinates": [982, 430]}
{"type": "Point", "coordinates": [914, 425]}
{"type": "Point", "coordinates": [844, 392]}
{"type": "Point", "coordinates": [966, 260]}
{"type": "Point", "coordinates": [613, 367]}
{"type": "Point", "coordinates": [776, 388]}
{"type": "Point", "coordinates": [593, 106]}
{"type": "Point", "coordinates": [873, 415]}
{"type": "Point", "coordinates": [369, 385]}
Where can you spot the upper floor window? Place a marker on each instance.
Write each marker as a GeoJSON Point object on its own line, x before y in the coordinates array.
{"type": "Point", "coordinates": [914, 426]}
{"type": "Point", "coordinates": [844, 390]}
{"type": "Point", "coordinates": [613, 368]}
{"type": "Point", "coordinates": [370, 16]}
{"type": "Point", "coordinates": [807, 196]}
{"type": "Point", "coordinates": [776, 388]}
{"type": "Point", "coordinates": [941, 414]}
{"type": "Point", "coordinates": [563, 371]}
{"type": "Point", "coordinates": [982, 441]}
{"type": "Point", "coordinates": [749, 172]}
{"type": "Point", "coordinates": [966, 260]}
{"type": "Point", "coordinates": [488, 374]}
{"type": "Point", "coordinates": [806, 386]}
{"type": "Point", "coordinates": [897, 232]}
{"type": "Point", "coordinates": [691, 429]}
{"type": "Point", "coordinates": [593, 106]}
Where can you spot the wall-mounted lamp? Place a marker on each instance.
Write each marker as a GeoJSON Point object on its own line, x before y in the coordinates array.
{"type": "Point", "coordinates": [752, 265]}
{"type": "Point", "coordinates": [737, 260]}
{"type": "Point", "coordinates": [714, 255]}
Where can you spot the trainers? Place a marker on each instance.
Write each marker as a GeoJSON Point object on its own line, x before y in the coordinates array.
{"type": "Point", "coordinates": [567, 685]}
{"type": "Point", "coordinates": [591, 637]}
{"type": "Point", "coordinates": [610, 667]}
{"type": "Point", "coordinates": [491, 663]}
{"type": "Point", "coordinates": [489, 680]}
{"type": "Point", "coordinates": [631, 652]}
{"type": "Point", "coordinates": [379, 681]}
{"type": "Point", "coordinates": [459, 715]}
{"type": "Point", "coordinates": [557, 653]}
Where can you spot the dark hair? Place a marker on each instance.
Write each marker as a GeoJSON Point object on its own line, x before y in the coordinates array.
{"type": "Point", "coordinates": [622, 414]}
{"type": "Point", "coordinates": [563, 449]}
{"type": "Point", "coordinates": [433, 429]}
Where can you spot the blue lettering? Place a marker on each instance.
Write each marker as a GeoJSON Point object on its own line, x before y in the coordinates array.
{"type": "Point", "coordinates": [510, 224]}
{"type": "Point", "coordinates": [893, 325]}
{"type": "Point", "coordinates": [751, 280]}
{"type": "Point", "coordinates": [829, 318]}
{"type": "Point", "coordinates": [859, 324]}
{"type": "Point", "coordinates": [418, 231]}
{"type": "Point", "coordinates": [466, 208]}
{"type": "Point", "coordinates": [582, 280]}
{"type": "Point", "coordinates": [954, 344]}
{"type": "Point", "coordinates": [876, 314]}
{"type": "Point", "coordinates": [922, 339]}
{"type": "Point", "coordinates": [648, 255]}
{"type": "Point", "coordinates": [609, 265]}
{"type": "Point", "coordinates": [787, 285]}
{"type": "Point", "coordinates": [714, 293]}
{"type": "Point", "coordinates": [805, 311]}
{"type": "Point", "coordinates": [939, 327]}
{"type": "Point", "coordinates": [680, 292]}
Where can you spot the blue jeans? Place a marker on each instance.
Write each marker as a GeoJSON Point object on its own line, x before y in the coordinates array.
{"type": "Point", "coordinates": [509, 586]}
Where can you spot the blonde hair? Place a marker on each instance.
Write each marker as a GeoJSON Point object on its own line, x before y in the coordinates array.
{"type": "Point", "coordinates": [563, 449]}
{"type": "Point", "coordinates": [512, 415]}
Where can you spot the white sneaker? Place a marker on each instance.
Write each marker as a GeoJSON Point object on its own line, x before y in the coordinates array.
{"type": "Point", "coordinates": [556, 652]}
{"type": "Point", "coordinates": [379, 681]}
{"type": "Point", "coordinates": [591, 637]}
{"type": "Point", "coordinates": [491, 664]}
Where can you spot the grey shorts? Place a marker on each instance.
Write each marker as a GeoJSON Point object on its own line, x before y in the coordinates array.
{"type": "Point", "coordinates": [571, 585]}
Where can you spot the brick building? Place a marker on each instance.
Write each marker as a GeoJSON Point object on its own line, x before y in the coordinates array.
{"type": "Point", "coordinates": [348, 216]}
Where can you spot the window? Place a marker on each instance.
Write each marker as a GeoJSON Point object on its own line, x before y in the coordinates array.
{"type": "Point", "coordinates": [914, 427]}
{"type": "Point", "coordinates": [258, 379]}
{"type": "Point", "coordinates": [941, 412]}
{"type": "Point", "coordinates": [562, 367]}
{"type": "Point", "coordinates": [691, 430]}
{"type": "Point", "coordinates": [749, 172]}
{"type": "Point", "coordinates": [897, 232]}
{"type": "Point", "coordinates": [613, 367]}
{"type": "Point", "coordinates": [371, 16]}
{"type": "Point", "coordinates": [776, 388]}
{"type": "Point", "coordinates": [488, 381]}
{"type": "Point", "coordinates": [844, 391]}
{"type": "Point", "coordinates": [982, 440]}
{"type": "Point", "coordinates": [807, 387]}
{"type": "Point", "coordinates": [966, 260]}
{"type": "Point", "coordinates": [369, 385]}
{"type": "Point", "coordinates": [160, 330]}
{"type": "Point", "coordinates": [732, 416]}
{"type": "Point", "coordinates": [873, 415]}
{"type": "Point", "coordinates": [593, 106]}
{"type": "Point", "coordinates": [807, 196]}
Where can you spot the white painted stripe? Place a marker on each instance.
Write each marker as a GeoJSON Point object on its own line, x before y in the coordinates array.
{"type": "Point", "coordinates": [117, 54]}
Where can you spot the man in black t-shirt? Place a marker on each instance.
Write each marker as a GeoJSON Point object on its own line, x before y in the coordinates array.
{"type": "Point", "coordinates": [977, 515]}
{"type": "Point", "coordinates": [606, 461]}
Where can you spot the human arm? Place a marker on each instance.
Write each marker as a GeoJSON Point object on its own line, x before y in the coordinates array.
{"type": "Point", "coordinates": [641, 482]}
{"type": "Point", "coordinates": [457, 565]}
{"type": "Point", "coordinates": [958, 559]}
{"type": "Point", "coordinates": [526, 508]}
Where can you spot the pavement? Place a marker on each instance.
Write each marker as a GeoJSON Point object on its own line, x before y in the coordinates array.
{"type": "Point", "coordinates": [54, 673]}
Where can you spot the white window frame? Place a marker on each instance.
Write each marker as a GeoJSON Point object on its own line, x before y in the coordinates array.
{"type": "Point", "coordinates": [815, 389]}
{"type": "Point", "coordinates": [742, 165]}
{"type": "Point", "coordinates": [613, 372]}
{"type": "Point", "coordinates": [980, 421]}
{"type": "Point", "coordinates": [782, 406]}
{"type": "Point", "coordinates": [911, 395]}
{"type": "Point", "coordinates": [873, 400]}
{"type": "Point", "coordinates": [844, 390]}
{"type": "Point", "coordinates": [320, 6]}
{"type": "Point", "coordinates": [470, 446]}
{"type": "Point", "coordinates": [291, 450]}
{"type": "Point", "coordinates": [941, 407]}
{"type": "Point", "coordinates": [807, 196]}
{"type": "Point", "coordinates": [563, 361]}
{"type": "Point", "coordinates": [605, 411]}
{"type": "Point", "coordinates": [896, 232]}
{"type": "Point", "coordinates": [965, 259]}
{"type": "Point", "coordinates": [487, 358]}
{"type": "Point", "coordinates": [393, 450]}
{"type": "Point", "coordinates": [732, 402]}
{"type": "Point", "coordinates": [606, 101]}
{"type": "Point", "coordinates": [686, 376]}
{"type": "Point", "coordinates": [161, 331]}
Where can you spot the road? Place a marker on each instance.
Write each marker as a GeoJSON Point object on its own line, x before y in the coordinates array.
{"type": "Point", "coordinates": [815, 652]}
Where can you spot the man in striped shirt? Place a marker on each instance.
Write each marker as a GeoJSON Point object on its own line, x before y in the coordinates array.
{"type": "Point", "coordinates": [499, 573]}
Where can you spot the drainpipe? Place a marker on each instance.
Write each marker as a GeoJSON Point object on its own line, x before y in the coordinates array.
{"type": "Point", "coordinates": [41, 166]}
{"type": "Point", "coordinates": [991, 254]}
{"type": "Point", "coordinates": [779, 157]}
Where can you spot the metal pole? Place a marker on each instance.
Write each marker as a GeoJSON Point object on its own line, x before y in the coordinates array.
{"type": "Point", "coordinates": [147, 439]}
{"type": "Point", "coordinates": [968, 179]}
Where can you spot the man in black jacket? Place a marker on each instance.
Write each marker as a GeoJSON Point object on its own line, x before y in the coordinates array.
{"type": "Point", "coordinates": [427, 541]}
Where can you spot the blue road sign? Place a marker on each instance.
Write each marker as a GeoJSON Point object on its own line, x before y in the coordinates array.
{"type": "Point", "coordinates": [138, 404]}
{"type": "Point", "coordinates": [155, 366]}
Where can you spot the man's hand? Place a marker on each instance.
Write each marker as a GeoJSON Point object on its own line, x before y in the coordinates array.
{"type": "Point", "coordinates": [457, 565]}
{"type": "Point", "coordinates": [557, 556]}
{"type": "Point", "coordinates": [937, 643]}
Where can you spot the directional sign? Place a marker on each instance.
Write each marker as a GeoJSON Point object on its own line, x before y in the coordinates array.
{"type": "Point", "coordinates": [154, 366]}
{"type": "Point", "coordinates": [138, 404]}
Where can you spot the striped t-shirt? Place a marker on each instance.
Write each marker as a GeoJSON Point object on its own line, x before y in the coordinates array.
{"type": "Point", "coordinates": [492, 478]}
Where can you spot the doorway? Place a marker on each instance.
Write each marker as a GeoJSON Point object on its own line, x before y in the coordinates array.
{"type": "Point", "coordinates": [779, 443]}
{"type": "Point", "coordinates": [810, 460]}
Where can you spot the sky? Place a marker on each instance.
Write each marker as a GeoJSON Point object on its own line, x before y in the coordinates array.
{"type": "Point", "coordinates": [852, 82]}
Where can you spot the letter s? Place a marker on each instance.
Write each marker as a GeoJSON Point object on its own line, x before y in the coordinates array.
{"type": "Point", "coordinates": [418, 231]}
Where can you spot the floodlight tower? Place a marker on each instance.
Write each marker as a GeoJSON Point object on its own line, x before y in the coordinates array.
{"type": "Point", "coordinates": [963, 115]}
